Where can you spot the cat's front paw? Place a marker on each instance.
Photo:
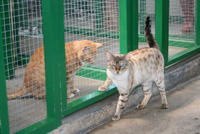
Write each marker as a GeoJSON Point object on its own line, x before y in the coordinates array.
{"type": "Point", "coordinates": [140, 106]}
{"type": "Point", "coordinates": [102, 88]}
{"type": "Point", "coordinates": [76, 90]}
{"type": "Point", "coordinates": [70, 95]}
{"type": "Point", "coordinates": [115, 117]}
{"type": "Point", "coordinates": [165, 106]}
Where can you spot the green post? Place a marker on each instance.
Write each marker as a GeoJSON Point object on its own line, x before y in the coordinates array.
{"type": "Point", "coordinates": [16, 25]}
{"type": "Point", "coordinates": [197, 23]}
{"type": "Point", "coordinates": [6, 27]}
{"type": "Point", "coordinates": [128, 22]}
{"type": "Point", "coordinates": [54, 51]}
{"type": "Point", "coordinates": [162, 26]}
{"type": "Point", "coordinates": [99, 15]}
{"type": "Point", "coordinates": [3, 97]}
{"type": "Point", "coordinates": [143, 15]}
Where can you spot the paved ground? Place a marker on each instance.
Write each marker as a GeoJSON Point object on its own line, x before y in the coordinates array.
{"type": "Point", "coordinates": [182, 116]}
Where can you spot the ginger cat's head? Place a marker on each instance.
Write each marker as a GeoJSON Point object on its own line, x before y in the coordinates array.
{"type": "Point", "coordinates": [87, 50]}
{"type": "Point", "coordinates": [117, 63]}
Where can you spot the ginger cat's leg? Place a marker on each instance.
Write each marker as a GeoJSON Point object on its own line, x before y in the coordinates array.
{"type": "Point", "coordinates": [73, 89]}
{"type": "Point", "coordinates": [70, 85]}
{"type": "Point", "coordinates": [147, 94]}
{"type": "Point", "coordinates": [105, 85]}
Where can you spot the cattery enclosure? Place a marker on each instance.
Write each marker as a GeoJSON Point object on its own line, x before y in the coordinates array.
{"type": "Point", "coordinates": [117, 24]}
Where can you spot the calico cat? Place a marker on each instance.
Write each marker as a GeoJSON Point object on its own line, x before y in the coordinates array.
{"type": "Point", "coordinates": [77, 53]}
{"type": "Point", "coordinates": [142, 66]}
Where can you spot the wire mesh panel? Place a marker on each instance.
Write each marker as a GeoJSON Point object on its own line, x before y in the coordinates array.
{"type": "Point", "coordinates": [22, 35]}
{"type": "Point", "coordinates": [86, 22]}
{"type": "Point", "coordinates": [146, 7]}
{"type": "Point", "coordinates": [181, 25]}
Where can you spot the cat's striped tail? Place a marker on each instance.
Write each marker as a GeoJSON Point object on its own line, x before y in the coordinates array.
{"type": "Point", "coordinates": [148, 35]}
{"type": "Point", "coordinates": [18, 93]}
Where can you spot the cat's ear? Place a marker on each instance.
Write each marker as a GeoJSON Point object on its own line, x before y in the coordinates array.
{"type": "Point", "coordinates": [86, 50]}
{"type": "Point", "coordinates": [109, 56]}
{"type": "Point", "coordinates": [127, 56]}
{"type": "Point", "coordinates": [98, 44]}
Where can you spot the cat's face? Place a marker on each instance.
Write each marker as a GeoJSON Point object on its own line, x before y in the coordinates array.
{"type": "Point", "coordinates": [117, 63]}
{"type": "Point", "coordinates": [87, 51]}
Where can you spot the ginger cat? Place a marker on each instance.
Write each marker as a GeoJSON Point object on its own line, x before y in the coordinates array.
{"type": "Point", "coordinates": [142, 66]}
{"type": "Point", "coordinates": [77, 54]}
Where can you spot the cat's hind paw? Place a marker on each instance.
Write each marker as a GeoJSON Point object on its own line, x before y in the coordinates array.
{"type": "Point", "coordinates": [102, 88]}
{"type": "Point", "coordinates": [115, 117]}
{"type": "Point", "coordinates": [70, 95]}
{"type": "Point", "coordinates": [165, 106]}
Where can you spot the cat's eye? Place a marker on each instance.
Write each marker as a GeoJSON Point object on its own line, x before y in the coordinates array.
{"type": "Point", "coordinates": [122, 65]}
{"type": "Point", "coordinates": [113, 65]}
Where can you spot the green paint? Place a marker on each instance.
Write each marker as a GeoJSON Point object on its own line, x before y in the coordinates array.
{"type": "Point", "coordinates": [162, 26]}
{"type": "Point", "coordinates": [87, 100]}
{"type": "Point", "coordinates": [143, 15]}
{"type": "Point", "coordinates": [7, 38]}
{"type": "Point", "coordinates": [197, 23]}
{"type": "Point", "coordinates": [16, 22]}
{"type": "Point", "coordinates": [54, 52]}
{"type": "Point", "coordinates": [128, 20]}
{"type": "Point", "coordinates": [42, 127]}
{"type": "Point", "coordinates": [183, 55]}
{"type": "Point", "coordinates": [3, 96]}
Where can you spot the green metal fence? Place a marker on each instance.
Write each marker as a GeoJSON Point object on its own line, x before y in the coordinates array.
{"type": "Point", "coordinates": [118, 24]}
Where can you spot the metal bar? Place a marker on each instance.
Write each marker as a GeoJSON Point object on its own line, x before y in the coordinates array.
{"type": "Point", "coordinates": [7, 38]}
{"type": "Point", "coordinates": [142, 15]}
{"type": "Point", "coordinates": [16, 22]}
{"type": "Point", "coordinates": [183, 55]}
{"type": "Point", "coordinates": [128, 19]}
{"type": "Point", "coordinates": [54, 52]}
{"type": "Point", "coordinates": [88, 100]}
{"type": "Point", "coordinates": [174, 42]}
{"type": "Point", "coordinates": [3, 97]}
{"type": "Point", "coordinates": [162, 26]}
{"type": "Point", "coordinates": [197, 23]}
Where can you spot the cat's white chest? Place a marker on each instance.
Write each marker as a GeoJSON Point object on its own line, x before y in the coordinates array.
{"type": "Point", "coordinates": [120, 81]}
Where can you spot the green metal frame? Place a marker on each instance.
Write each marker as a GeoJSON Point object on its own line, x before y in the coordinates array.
{"type": "Point", "coordinates": [197, 23]}
{"type": "Point", "coordinates": [162, 26]}
{"type": "Point", "coordinates": [128, 14]}
{"type": "Point", "coordinates": [8, 42]}
{"type": "Point", "coordinates": [3, 97]}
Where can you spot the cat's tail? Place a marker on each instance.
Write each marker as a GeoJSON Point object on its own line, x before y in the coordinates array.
{"type": "Point", "coordinates": [18, 93]}
{"type": "Point", "coordinates": [148, 35]}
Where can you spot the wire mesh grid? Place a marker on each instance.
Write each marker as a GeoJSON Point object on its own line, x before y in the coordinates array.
{"type": "Point", "coordinates": [181, 25]}
{"type": "Point", "coordinates": [145, 7]}
{"type": "Point", "coordinates": [17, 18]}
{"type": "Point", "coordinates": [96, 21]}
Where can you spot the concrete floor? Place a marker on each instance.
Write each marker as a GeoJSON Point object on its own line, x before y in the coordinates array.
{"type": "Point", "coordinates": [182, 116]}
